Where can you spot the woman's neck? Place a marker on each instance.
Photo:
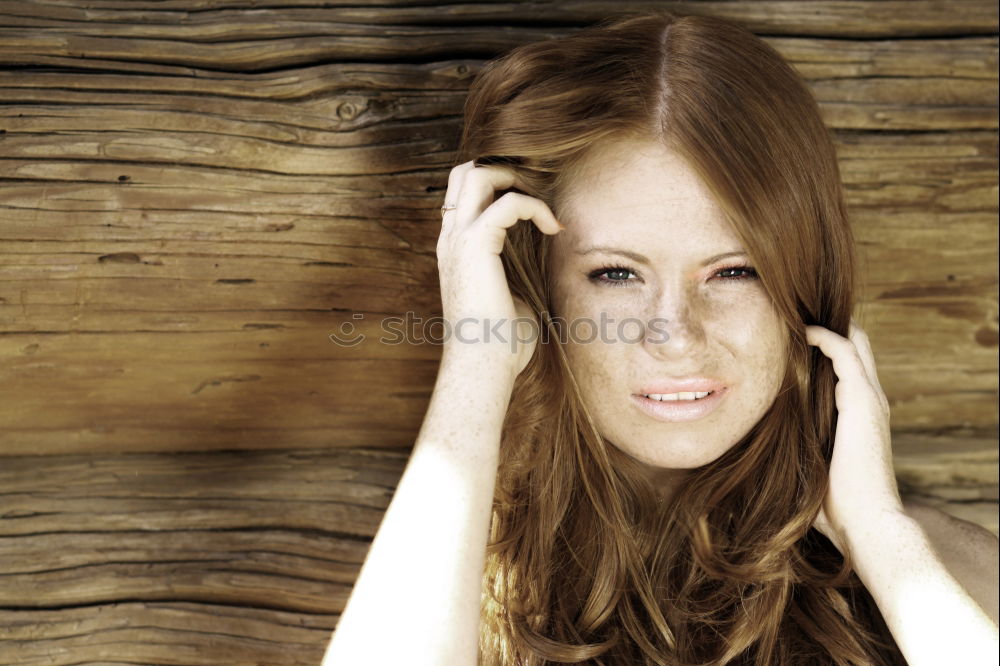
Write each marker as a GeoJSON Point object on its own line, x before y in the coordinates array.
{"type": "Point", "coordinates": [665, 480]}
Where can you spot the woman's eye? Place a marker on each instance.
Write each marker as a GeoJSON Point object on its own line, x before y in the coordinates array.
{"type": "Point", "coordinates": [738, 273]}
{"type": "Point", "coordinates": [622, 276]}
{"type": "Point", "coordinates": [615, 276]}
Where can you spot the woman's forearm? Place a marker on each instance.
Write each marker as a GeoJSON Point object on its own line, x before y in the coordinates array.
{"type": "Point", "coordinates": [416, 600]}
{"type": "Point", "coordinates": [931, 616]}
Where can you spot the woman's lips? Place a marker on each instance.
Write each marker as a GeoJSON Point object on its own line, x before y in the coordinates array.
{"type": "Point", "coordinates": [680, 410]}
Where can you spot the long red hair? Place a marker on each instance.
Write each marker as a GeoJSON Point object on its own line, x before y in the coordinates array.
{"type": "Point", "coordinates": [584, 562]}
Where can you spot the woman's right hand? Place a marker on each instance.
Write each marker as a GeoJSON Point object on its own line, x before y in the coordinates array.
{"type": "Point", "coordinates": [476, 300]}
{"type": "Point", "coordinates": [422, 578]}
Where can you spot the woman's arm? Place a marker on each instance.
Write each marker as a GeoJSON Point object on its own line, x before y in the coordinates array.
{"type": "Point", "coordinates": [416, 600]}
{"type": "Point", "coordinates": [931, 616]}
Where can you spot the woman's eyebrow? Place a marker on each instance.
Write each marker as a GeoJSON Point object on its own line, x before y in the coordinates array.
{"type": "Point", "coordinates": [712, 260]}
{"type": "Point", "coordinates": [634, 256]}
{"type": "Point", "coordinates": [638, 258]}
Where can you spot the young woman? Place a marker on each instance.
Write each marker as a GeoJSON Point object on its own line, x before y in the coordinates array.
{"type": "Point", "coordinates": [655, 427]}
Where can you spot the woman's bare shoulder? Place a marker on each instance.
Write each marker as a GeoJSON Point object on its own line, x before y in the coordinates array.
{"type": "Point", "coordinates": [970, 552]}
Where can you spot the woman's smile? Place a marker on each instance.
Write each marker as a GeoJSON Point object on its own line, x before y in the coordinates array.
{"type": "Point", "coordinates": [679, 406]}
{"type": "Point", "coordinates": [679, 400]}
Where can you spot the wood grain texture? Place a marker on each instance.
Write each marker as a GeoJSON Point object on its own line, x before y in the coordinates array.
{"type": "Point", "coordinates": [199, 558]}
{"type": "Point", "coordinates": [192, 634]}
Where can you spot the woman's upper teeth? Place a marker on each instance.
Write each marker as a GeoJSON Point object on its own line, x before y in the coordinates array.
{"type": "Point", "coordinates": [678, 396]}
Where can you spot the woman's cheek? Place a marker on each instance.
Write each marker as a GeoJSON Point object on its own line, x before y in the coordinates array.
{"type": "Point", "coordinates": [597, 308]}
{"type": "Point", "coordinates": [763, 339]}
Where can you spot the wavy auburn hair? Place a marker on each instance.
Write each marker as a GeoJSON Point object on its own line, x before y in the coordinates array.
{"type": "Point", "coordinates": [585, 562]}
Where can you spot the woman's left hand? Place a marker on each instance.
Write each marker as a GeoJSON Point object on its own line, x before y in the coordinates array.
{"type": "Point", "coordinates": [862, 487]}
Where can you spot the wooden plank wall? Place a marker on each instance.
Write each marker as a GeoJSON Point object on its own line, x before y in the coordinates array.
{"type": "Point", "coordinates": [195, 193]}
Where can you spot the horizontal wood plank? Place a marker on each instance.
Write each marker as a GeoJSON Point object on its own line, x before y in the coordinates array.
{"type": "Point", "coordinates": [227, 20]}
{"type": "Point", "coordinates": [162, 632]}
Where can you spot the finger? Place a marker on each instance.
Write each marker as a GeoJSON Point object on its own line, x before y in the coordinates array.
{"type": "Point", "coordinates": [858, 336]}
{"type": "Point", "coordinates": [455, 178]}
{"type": "Point", "coordinates": [847, 363]}
{"type": "Point", "coordinates": [478, 189]}
{"type": "Point", "coordinates": [506, 211]}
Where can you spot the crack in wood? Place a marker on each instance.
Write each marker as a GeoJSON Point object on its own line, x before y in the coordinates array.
{"type": "Point", "coordinates": [218, 381]}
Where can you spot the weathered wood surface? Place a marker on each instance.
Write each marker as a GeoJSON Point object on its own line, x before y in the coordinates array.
{"type": "Point", "coordinates": [211, 558]}
{"type": "Point", "coordinates": [248, 557]}
{"type": "Point", "coordinates": [212, 21]}
{"type": "Point", "coordinates": [191, 634]}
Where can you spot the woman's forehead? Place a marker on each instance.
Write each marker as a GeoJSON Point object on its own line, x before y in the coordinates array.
{"type": "Point", "coordinates": [630, 178]}
{"type": "Point", "coordinates": [695, 225]}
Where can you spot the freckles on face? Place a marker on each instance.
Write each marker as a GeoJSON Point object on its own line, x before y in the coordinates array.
{"type": "Point", "coordinates": [647, 302]}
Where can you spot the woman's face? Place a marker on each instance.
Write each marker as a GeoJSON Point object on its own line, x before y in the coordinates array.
{"type": "Point", "coordinates": [641, 260]}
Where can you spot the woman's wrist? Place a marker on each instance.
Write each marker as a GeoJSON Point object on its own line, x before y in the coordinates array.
{"type": "Point", "coordinates": [878, 530]}
{"type": "Point", "coordinates": [487, 365]}
{"type": "Point", "coordinates": [469, 403]}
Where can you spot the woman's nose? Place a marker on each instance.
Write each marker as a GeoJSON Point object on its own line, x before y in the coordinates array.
{"type": "Point", "coordinates": [675, 329]}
